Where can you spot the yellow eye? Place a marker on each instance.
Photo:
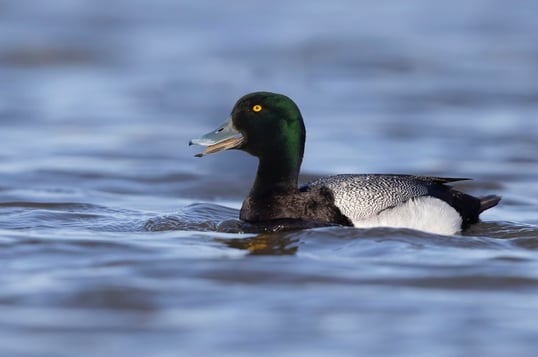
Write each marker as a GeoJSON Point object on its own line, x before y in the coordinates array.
{"type": "Point", "coordinates": [257, 108]}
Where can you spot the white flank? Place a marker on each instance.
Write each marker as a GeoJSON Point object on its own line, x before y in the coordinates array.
{"type": "Point", "coordinates": [428, 214]}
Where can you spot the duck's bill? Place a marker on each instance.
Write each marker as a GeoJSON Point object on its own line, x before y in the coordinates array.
{"type": "Point", "coordinates": [225, 137]}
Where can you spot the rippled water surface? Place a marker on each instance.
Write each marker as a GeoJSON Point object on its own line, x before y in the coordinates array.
{"type": "Point", "coordinates": [115, 240]}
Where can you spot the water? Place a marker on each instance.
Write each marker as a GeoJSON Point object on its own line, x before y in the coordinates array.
{"type": "Point", "coordinates": [115, 240]}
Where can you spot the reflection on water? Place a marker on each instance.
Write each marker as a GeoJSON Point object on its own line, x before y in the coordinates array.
{"type": "Point", "coordinates": [264, 244]}
{"type": "Point", "coordinates": [115, 240]}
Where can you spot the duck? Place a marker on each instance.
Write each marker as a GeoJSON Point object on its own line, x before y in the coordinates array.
{"type": "Point", "coordinates": [270, 127]}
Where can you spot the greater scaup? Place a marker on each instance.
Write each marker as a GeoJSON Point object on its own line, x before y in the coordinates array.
{"type": "Point", "coordinates": [270, 127]}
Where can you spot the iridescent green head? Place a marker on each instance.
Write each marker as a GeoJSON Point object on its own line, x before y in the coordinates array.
{"type": "Point", "coordinates": [263, 124]}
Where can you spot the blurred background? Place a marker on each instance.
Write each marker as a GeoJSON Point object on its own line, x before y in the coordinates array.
{"type": "Point", "coordinates": [418, 87]}
{"type": "Point", "coordinates": [99, 99]}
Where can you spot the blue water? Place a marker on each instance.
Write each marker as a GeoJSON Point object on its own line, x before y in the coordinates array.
{"type": "Point", "coordinates": [116, 240]}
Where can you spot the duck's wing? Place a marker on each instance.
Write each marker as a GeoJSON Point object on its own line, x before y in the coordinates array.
{"type": "Point", "coordinates": [432, 178]}
{"type": "Point", "coordinates": [363, 196]}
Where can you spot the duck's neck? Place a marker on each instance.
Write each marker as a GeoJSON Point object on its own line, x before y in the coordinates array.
{"type": "Point", "coordinates": [280, 156]}
{"type": "Point", "coordinates": [277, 173]}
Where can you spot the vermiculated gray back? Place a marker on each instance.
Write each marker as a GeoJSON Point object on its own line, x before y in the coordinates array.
{"type": "Point", "coordinates": [361, 196]}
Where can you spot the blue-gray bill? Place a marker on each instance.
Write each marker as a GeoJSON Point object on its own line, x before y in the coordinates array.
{"type": "Point", "coordinates": [225, 137]}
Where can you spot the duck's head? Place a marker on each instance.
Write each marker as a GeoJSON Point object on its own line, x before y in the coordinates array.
{"type": "Point", "coordinates": [261, 123]}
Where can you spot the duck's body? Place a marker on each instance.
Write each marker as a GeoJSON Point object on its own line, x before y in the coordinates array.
{"type": "Point", "coordinates": [405, 201]}
{"type": "Point", "coordinates": [270, 126]}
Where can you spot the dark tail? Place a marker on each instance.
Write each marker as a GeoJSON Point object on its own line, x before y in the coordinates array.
{"type": "Point", "coordinates": [487, 202]}
{"type": "Point", "coordinates": [469, 207]}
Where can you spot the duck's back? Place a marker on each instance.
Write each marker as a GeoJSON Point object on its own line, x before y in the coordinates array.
{"type": "Point", "coordinates": [417, 202]}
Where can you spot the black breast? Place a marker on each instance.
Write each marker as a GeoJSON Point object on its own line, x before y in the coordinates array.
{"type": "Point", "coordinates": [308, 205]}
